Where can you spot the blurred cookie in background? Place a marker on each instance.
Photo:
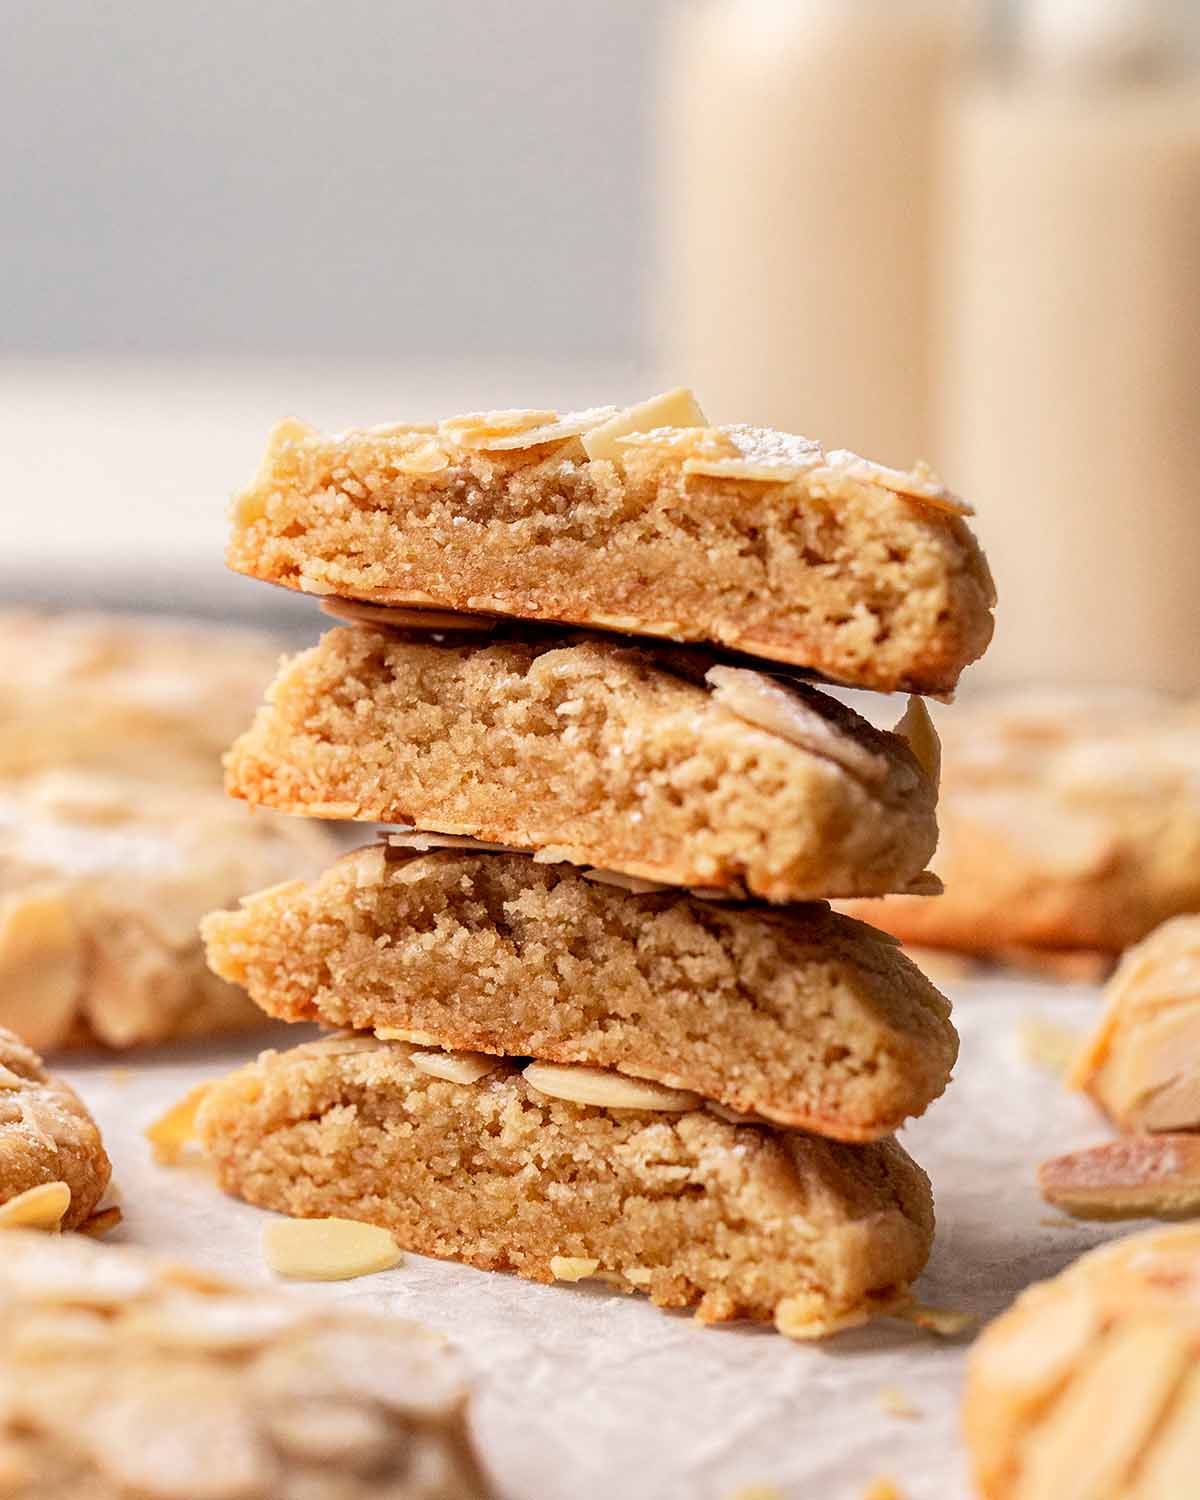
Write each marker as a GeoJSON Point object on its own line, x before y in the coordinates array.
{"type": "Point", "coordinates": [1089, 1384]}
{"type": "Point", "coordinates": [158, 698]}
{"type": "Point", "coordinates": [53, 1166]}
{"type": "Point", "coordinates": [1070, 823]}
{"type": "Point", "coordinates": [103, 880]}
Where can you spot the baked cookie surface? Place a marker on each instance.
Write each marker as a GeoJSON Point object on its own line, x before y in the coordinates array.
{"type": "Point", "coordinates": [1142, 1062]}
{"type": "Point", "coordinates": [796, 1014]}
{"type": "Point", "coordinates": [122, 1377]}
{"type": "Point", "coordinates": [1090, 1383]}
{"type": "Point", "coordinates": [161, 699]}
{"type": "Point", "coordinates": [1065, 823]}
{"type": "Point", "coordinates": [484, 1167]}
{"type": "Point", "coordinates": [740, 536]}
{"type": "Point", "coordinates": [596, 753]}
{"type": "Point", "coordinates": [46, 1135]}
{"type": "Point", "coordinates": [103, 881]}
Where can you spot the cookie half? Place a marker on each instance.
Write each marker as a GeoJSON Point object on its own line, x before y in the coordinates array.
{"type": "Point", "coordinates": [103, 881]}
{"type": "Point", "coordinates": [1090, 1384]}
{"type": "Point", "coordinates": [796, 1014]}
{"type": "Point", "coordinates": [46, 1136]}
{"type": "Point", "coordinates": [484, 1167]}
{"type": "Point", "coordinates": [740, 536]}
{"type": "Point", "coordinates": [122, 1376]}
{"type": "Point", "coordinates": [595, 753]}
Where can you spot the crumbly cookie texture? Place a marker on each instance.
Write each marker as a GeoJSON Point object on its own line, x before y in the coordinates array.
{"type": "Point", "coordinates": [125, 692]}
{"type": "Point", "coordinates": [103, 881]}
{"type": "Point", "coordinates": [1142, 1062]}
{"type": "Point", "coordinates": [122, 1377]}
{"type": "Point", "coordinates": [736, 1220]}
{"type": "Point", "coordinates": [1067, 822]}
{"type": "Point", "coordinates": [1090, 1383]}
{"type": "Point", "coordinates": [740, 536]}
{"type": "Point", "coordinates": [798, 1015]}
{"type": "Point", "coordinates": [46, 1136]}
{"type": "Point", "coordinates": [595, 753]}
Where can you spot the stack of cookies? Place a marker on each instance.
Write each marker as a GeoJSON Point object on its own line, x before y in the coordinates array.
{"type": "Point", "coordinates": [597, 1019]}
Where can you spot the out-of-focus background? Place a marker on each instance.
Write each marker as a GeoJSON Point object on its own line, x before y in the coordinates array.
{"type": "Point", "coordinates": [968, 232]}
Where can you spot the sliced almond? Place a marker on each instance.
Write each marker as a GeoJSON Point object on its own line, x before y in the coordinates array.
{"type": "Point", "coordinates": [916, 729]}
{"type": "Point", "coordinates": [174, 1131]}
{"type": "Point", "coordinates": [572, 1267]}
{"type": "Point", "coordinates": [328, 1249]}
{"type": "Point", "coordinates": [402, 617]}
{"type": "Point", "coordinates": [40, 1207]}
{"type": "Point", "coordinates": [1140, 1177]}
{"type": "Point", "coordinates": [762, 455]}
{"type": "Point", "coordinates": [606, 1089]}
{"type": "Point", "coordinates": [632, 883]}
{"type": "Point", "coordinates": [771, 704]}
{"type": "Point", "coordinates": [404, 1034]}
{"type": "Point", "coordinates": [10, 1081]}
{"type": "Point", "coordinates": [506, 431]}
{"type": "Point", "coordinates": [422, 839]}
{"type": "Point", "coordinates": [420, 459]}
{"type": "Point", "coordinates": [455, 1067]}
{"type": "Point", "coordinates": [919, 483]}
{"type": "Point", "coordinates": [103, 1222]}
{"type": "Point", "coordinates": [675, 408]}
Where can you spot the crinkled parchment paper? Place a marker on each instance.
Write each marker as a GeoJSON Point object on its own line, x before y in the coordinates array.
{"type": "Point", "coordinates": [586, 1394]}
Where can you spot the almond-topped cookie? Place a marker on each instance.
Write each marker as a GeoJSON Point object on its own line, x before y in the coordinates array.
{"type": "Point", "coordinates": [124, 1377]}
{"type": "Point", "coordinates": [103, 881]}
{"type": "Point", "coordinates": [53, 1166]}
{"type": "Point", "coordinates": [1089, 1385]}
{"type": "Point", "coordinates": [562, 1173]}
{"type": "Point", "coordinates": [156, 698]}
{"type": "Point", "coordinates": [1069, 821]}
{"type": "Point", "coordinates": [683, 771]}
{"type": "Point", "coordinates": [1142, 1062]}
{"type": "Point", "coordinates": [794, 1014]}
{"type": "Point", "coordinates": [646, 520]}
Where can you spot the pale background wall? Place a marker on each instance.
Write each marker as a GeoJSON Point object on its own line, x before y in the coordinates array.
{"type": "Point", "coordinates": [329, 177]}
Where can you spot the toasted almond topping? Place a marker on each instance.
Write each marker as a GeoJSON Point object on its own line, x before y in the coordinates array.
{"type": "Point", "coordinates": [422, 839]}
{"type": "Point", "coordinates": [772, 704]}
{"type": "Point", "coordinates": [403, 617]}
{"type": "Point", "coordinates": [676, 408]}
{"type": "Point", "coordinates": [328, 1249]}
{"type": "Point", "coordinates": [572, 1267]}
{"type": "Point", "coordinates": [422, 458]}
{"type": "Point", "coordinates": [919, 483]}
{"type": "Point", "coordinates": [638, 1275]}
{"type": "Point", "coordinates": [606, 1089]}
{"type": "Point", "coordinates": [9, 1080]}
{"type": "Point", "coordinates": [40, 1207]}
{"type": "Point", "coordinates": [916, 727]}
{"type": "Point", "coordinates": [455, 1067]}
{"type": "Point", "coordinates": [762, 455]}
{"type": "Point", "coordinates": [404, 1034]}
{"type": "Point", "coordinates": [632, 883]}
{"type": "Point", "coordinates": [1140, 1177]}
{"type": "Point", "coordinates": [506, 431]}
{"type": "Point", "coordinates": [41, 967]}
{"type": "Point", "coordinates": [174, 1131]}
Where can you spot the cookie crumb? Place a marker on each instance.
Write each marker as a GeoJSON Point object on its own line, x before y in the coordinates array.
{"type": "Point", "coordinates": [1046, 1045]}
{"type": "Point", "coordinates": [103, 1222]}
{"type": "Point", "coordinates": [895, 1403]}
{"type": "Point", "coordinates": [173, 1132]}
{"type": "Point", "coordinates": [946, 1322]}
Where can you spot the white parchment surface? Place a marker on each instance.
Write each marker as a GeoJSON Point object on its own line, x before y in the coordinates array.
{"type": "Point", "coordinates": [587, 1394]}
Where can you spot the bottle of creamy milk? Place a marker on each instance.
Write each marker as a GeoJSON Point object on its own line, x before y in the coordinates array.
{"type": "Point", "coordinates": [797, 181]}
{"type": "Point", "coordinates": [1070, 389]}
